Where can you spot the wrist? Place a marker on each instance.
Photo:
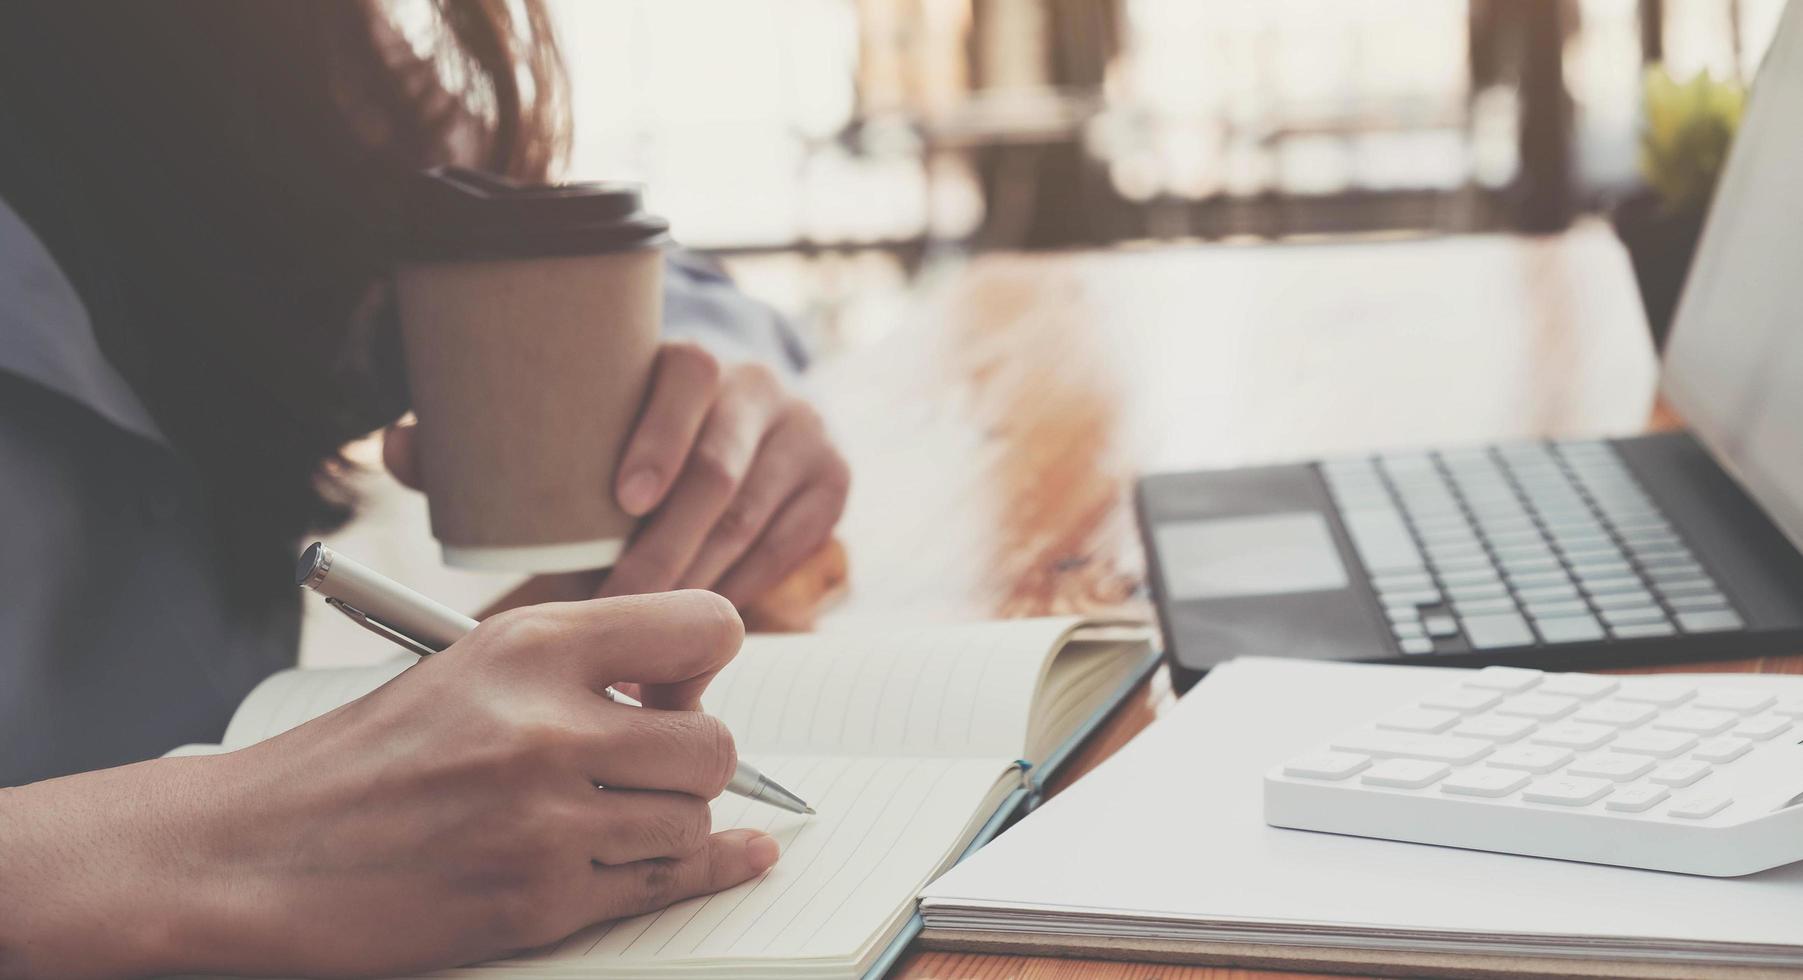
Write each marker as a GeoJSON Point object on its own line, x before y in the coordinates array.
{"type": "Point", "coordinates": [107, 872]}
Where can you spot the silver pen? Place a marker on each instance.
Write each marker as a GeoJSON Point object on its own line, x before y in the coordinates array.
{"type": "Point", "coordinates": [402, 616]}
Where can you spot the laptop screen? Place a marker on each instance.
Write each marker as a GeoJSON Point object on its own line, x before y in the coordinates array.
{"type": "Point", "coordinates": [1734, 364]}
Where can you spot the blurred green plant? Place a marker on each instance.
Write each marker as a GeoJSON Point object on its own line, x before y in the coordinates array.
{"type": "Point", "coordinates": [1689, 126]}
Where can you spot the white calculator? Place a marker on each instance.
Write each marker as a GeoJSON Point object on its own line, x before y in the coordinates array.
{"type": "Point", "coordinates": [1689, 775]}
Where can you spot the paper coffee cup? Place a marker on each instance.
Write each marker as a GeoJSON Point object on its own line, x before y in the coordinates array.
{"type": "Point", "coordinates": [530, 318]}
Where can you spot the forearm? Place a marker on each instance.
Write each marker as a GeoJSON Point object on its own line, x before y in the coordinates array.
{"type": "Point", "coordinates": [104, 873]}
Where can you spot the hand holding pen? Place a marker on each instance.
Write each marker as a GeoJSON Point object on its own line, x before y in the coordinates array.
{"type": "Point", "coordinates": [423, 626]}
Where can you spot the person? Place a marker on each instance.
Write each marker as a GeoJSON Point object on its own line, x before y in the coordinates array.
{"type": "Point", "coordinates": [195, 318]}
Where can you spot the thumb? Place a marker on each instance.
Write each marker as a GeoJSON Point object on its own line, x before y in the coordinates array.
{"type": "Point", "coordinates": [400, 452]}
{"type": "Point", "coordinates": [727, 859]}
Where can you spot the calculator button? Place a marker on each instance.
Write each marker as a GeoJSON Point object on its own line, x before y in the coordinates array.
{"type": "Point", "coordinates": [1789, 707]}
{"type": "Point", "coordinates": [1484, 782]}
{"type": "Point", "coordinates": [1419, 720]}
{"type": "Point", "coordinates": [1544, 707]}
{"type": "Point", "coordinates": [1659, 745]}
{"type": "Point", "coordinates": [1532, 758]}
{"type": "Point", "coordinates": [1738, 700]}
{"type": "Point", "coordinates": [1699, 807]}
{"type": "Point", "coordinates": [1415, 646]}
{"type": "Point", "coordinates": [1409, 745]}
{"type": "Point", "coordinates": [1494, 728]}
{"type": "Point", "coordinates": [1574, 735]}
{"type": "Point", "coordinates": [1404, 773]}
{"type": "Point", "coordinates": [1621, 714]}
{"type": "Point", "coordinates": [1505, 678]}
{"type": "Point", "coordinates": [1697, 721]}
{"type": "Point", "coordinates": [1567, 790]}
{"type": "Point", "coordinates": [1584, 686]}
{"type": "Point", "coordinates": [1326, 765]}
{"type": "Point", "coordinates": [1680, 773]}
{"type": "Point", "coordinates": [1461, 699]}
{"type": "Point", "coordinates": [1724, 749]}
{"type": "Point", "coordinates": [1662, 693]}
{"type": "Point", "coordinates": [1763, 727]}
{"type": "Point", "coordinates": [1611, 765]}
{"type": "Point", "coordinates": [1634, 799]}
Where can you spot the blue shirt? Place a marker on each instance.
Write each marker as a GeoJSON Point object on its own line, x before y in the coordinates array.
{"type": "Point", "coordinates": [117, 637]}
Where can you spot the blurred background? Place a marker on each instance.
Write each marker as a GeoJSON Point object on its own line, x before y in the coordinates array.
{"type": "Point", "coordinates": [834, 151]}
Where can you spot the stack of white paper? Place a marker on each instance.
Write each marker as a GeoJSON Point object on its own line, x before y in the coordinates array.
{"type": "Point", "coordinates": [1166, 845]}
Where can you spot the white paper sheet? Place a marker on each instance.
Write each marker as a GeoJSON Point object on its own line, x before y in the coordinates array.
{"type": "Point", "coordinates": [1174, 825]}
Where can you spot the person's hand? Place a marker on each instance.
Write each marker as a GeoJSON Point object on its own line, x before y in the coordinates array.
{"type": "Point", "coordinates": [735, 477]}
{"type": "Point", "coordinates": [450, 816]}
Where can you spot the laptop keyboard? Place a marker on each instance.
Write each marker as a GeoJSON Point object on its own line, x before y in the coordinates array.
{"type": "Point", "coordinates": [1520, 545]}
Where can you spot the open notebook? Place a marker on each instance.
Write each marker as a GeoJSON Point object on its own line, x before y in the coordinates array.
{"type": "Point", "coordinates": [912, 745]}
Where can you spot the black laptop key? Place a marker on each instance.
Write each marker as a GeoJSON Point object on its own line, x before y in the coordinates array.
{"type": "Point", "coordinates": [1623, 600]}
{"type": "Point", "coordinates": [1641, 631]}
{"type": "Point", "coordinates": [1440, 626]}
{"type": "Point", "coordinates": [1613, 586]}
{"type": "Point", "coordinates": [1700, 602]}
{"type": "Point", "coordinates": [1692, 586]}
{"type": "Point", "coordinates": [1676, 573]}
{"type": "Point", "coordinates": [1569, 629]}
{"type": "Point", "coordinates": [1710, 621]}
{"type": "Point", "coordinates": [1491, 631]}
{"type": "Point", "coordinates": [1626, 617]}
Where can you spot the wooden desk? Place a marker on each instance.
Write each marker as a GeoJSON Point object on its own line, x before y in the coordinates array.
{"type": "Point", "coordinates": [995, 436]}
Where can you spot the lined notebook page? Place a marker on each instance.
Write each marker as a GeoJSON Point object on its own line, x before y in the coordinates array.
{"type": "Point", "coordinates": [845, 879]}
{"type": "Point", "coordinates": [944, 691]}
{"type": "Point", "coordinates": [295, 697]}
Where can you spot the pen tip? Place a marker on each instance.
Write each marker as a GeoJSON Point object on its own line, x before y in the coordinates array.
{"type": "Point", "coordinates": [808, 810]}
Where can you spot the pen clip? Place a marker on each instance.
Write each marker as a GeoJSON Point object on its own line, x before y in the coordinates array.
{"type": "Point", "coordinates": [379, 628]}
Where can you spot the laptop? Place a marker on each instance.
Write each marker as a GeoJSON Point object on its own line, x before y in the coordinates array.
{"type": "Point", "coordinates": [1561, 554]}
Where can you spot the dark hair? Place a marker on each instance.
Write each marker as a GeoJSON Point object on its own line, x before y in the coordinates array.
{"type": "Point", "coordinates": [221, 177]}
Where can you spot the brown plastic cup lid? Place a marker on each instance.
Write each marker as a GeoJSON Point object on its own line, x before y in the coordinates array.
{"type": "Point", "coordinates": [454, 213]}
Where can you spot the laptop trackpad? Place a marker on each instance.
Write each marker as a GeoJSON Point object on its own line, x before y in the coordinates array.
{"type": "Point", "coordinates": [1266, 554]}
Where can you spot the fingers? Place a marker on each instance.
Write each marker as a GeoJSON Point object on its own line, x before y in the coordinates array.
{"type": "Point", "coordinates": [672, 643]}
{"type": "Point", "coordinates": [651, 749]}
{"type": "Point", "coordinates": [722, 455]}
{"type": "Point", "coordinates": [400, 453]}
{"type": "Point", "coordinates": [683, 384]}
{"type": "Point", "coordinates": [794, 449]}
{"type": "Point", "coordinates": [640, 825]}
{"type": "Point", "coordinates": [725, 860]}
{"type": "Point", "coordinates": [799, 529]}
